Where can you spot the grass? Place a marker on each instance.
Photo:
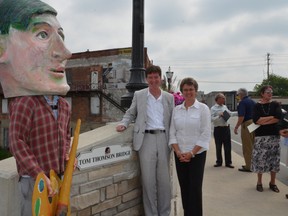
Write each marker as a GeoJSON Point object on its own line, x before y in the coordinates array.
{"type": "Point", "coordinates": [4, 153]}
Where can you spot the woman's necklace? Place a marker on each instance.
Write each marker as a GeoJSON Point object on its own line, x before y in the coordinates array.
{"type": "Point", "coordinates": [266, 113]}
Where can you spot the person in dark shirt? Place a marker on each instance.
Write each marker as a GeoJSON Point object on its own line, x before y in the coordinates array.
{"type": "Point", "coordinates": [245, 109]}
{"type": "Point", "coordinates": [283, 131]}
{"type": "Point", "coordinates": [266, 150]}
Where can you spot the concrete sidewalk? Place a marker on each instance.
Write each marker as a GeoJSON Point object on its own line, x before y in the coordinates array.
{"type": "Point", "coordinates": [229, 192]}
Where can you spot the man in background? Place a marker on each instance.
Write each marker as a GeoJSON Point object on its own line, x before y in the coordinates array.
{"type": "Point", "coordinates": [245, 109]}
{"type": "Point", "coordinates": [222, 136]}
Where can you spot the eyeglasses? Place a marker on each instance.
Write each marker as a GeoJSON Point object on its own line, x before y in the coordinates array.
{"type": "Point", "coordinates": [268, 92]}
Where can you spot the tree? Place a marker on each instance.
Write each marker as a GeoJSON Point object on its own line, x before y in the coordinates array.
{"type": "Point", "coordinates": [278, 83]}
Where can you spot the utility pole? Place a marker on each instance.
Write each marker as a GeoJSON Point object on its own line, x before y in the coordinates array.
{"type": "Point", "coordinates": [268, 66]}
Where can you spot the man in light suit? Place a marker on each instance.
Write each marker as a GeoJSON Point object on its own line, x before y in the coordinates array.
{"type": "Point", "coordinates": [151, 109]}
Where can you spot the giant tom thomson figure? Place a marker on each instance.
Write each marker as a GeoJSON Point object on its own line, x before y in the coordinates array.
{"type": "Point", "coordinates": [32, 74]}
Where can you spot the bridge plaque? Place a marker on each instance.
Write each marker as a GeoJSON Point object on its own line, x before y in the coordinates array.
{"type": "Point", "coordinates": [103, 156]}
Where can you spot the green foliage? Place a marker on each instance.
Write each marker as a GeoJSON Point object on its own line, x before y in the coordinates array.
{"type": "Point", "coordinates": [278, 83]}
{"type": "Point", "coordinates": [4, 153]}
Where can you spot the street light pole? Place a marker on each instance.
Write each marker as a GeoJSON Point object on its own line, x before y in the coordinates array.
{"type": "Point", "coordinates": [137, 79]}
{"type": "Point", "coordinates": [169, 75]}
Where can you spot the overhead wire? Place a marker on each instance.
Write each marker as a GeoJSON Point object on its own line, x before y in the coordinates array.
{"type": "Point", "coordinates": [276, 60]}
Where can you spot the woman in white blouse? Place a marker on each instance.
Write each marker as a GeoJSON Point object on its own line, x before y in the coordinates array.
{"type": "Point", "coordinates": [190, 134]}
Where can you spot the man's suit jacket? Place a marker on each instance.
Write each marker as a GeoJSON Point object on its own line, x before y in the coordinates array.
{"type": "Point", "coordinates": [138, 112]}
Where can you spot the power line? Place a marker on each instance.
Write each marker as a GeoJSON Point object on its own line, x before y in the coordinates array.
{"type": "Point", "coordinates": [264, 64]}
{"type": "Point", "coordinates": [226, 82]}
{"type": "Point", "coordinates": [227, 62]}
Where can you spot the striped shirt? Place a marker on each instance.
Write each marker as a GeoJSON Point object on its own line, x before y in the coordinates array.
{"type": "Point", "coordinates": [37, 140]}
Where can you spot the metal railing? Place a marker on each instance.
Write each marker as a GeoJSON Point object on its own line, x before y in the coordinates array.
{"type": "Point", "coordinates": [83, 86]}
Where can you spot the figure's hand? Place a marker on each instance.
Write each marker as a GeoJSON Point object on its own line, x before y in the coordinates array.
{"type": "Point", "coordinates": [235, 130]}
{"type": "Point", "coordinates": [120, 128]}
{"type": "Point", "coordinates": [51, 192]}
{"type": "Point", "coordinates": [75, 161]}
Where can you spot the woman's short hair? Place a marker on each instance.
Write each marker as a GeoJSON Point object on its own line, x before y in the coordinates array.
{"type": "Point", "coordinates": [188, 81]}
{"type": "Point", "coordinates": [264, 88]}
{"type": "Point", "coordinates": [18, 13]}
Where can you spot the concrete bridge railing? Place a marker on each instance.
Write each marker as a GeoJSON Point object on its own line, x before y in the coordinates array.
{"type": "Point", "coordinates": [107, 181]}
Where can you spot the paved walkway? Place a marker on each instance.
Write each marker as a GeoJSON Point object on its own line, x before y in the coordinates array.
{"type": "Point", "coordinates": [228, 192]}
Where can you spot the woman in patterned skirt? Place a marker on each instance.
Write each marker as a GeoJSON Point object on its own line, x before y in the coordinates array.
{"type": "Point", "coordinates": [266, 150]}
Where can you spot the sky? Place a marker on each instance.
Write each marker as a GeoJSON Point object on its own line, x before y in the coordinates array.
{"type": "Point", "coordinates": [222, 44]}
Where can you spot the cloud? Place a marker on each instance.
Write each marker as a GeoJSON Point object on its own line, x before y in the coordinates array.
{"type": "Point", "coordinates": [223, 44]}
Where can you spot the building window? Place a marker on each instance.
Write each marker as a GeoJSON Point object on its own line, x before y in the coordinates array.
{"type": "Point", "coordinates": [94, 80]}
{"type": "Point", "coordinates": [4, 106]}
{"type": "Point", "coordinates": [5, 138]}
{"type": "Point", "coordinates": [95, 105]}
{"type": "Point", "coordinates": [69, 78]}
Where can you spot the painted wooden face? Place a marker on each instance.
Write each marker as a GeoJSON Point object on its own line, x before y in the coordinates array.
{"type": "Point", "coordinates": [34, 60]}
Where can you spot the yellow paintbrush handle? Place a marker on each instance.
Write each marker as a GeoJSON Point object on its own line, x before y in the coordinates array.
{"type": "Point", "coordinates": [64, 197]}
